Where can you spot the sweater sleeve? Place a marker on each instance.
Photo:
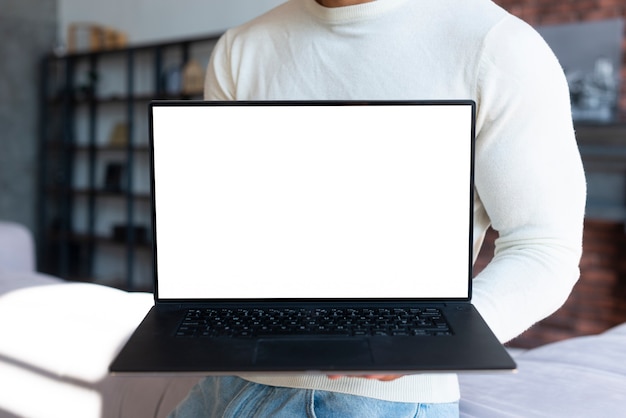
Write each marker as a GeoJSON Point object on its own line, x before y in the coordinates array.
{"type": "Point", "coordinates": [529, 179]}
{"type": "Point", "coordinates": [218, 82]}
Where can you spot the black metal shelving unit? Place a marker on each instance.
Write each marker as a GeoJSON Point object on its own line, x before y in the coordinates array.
{"type": "Point", "coordinates": [82, 96]}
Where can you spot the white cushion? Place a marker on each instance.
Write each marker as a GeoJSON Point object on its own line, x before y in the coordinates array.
{"type": "Point", "coordinates": [69, 329]}
{"type": "Point", "coordinates": [17, 248]}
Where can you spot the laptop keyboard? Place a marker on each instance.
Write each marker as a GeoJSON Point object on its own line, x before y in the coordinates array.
{"type": "Point", "coordinates": [248, 323]}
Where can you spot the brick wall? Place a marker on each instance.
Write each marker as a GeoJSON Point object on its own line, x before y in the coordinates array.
{"type": "Point", "coordinates": [597, 302]}
{"type": "Point", "coordinates": [549, 12]}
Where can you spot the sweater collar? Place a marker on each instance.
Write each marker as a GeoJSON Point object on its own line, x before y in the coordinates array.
{"type": "Point", "coordinates": [347, 14]}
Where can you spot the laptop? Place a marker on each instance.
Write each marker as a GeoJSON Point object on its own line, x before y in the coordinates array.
{"type": "Point", "coordinates": [312, 237]}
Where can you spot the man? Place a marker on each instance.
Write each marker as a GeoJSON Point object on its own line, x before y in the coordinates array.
{"type": "Point", "coordinates": [529, 179]}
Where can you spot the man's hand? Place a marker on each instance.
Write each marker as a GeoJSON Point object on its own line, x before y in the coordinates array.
{"type": "Point", "coordinates": [380, 377]}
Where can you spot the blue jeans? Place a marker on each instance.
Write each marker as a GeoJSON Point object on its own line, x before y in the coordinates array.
{"type": "Point", "coordinates": [236, 397]}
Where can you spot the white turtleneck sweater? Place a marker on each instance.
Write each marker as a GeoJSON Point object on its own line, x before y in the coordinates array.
{"type": "Point", "coordinates": [529, 179]}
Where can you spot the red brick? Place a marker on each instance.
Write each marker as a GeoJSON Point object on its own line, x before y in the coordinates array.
{"type": "Point", "coordinates": [597, 301]}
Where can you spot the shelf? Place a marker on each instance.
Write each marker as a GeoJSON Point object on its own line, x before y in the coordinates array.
{"type": "Point", "coordinates": [121, 99]}
{"type": "Point", "coordinates": [59, 146]}
{"type": "Point", "coordinates": [107, 240]}
{"type": "Point", "coordinates": [603, 151]}
{"type": "Point", "coordinates": [69, 191]}
{"type": "Point", "coordinates": [83, 238]}
{"type": "Point", "coordinates": [111, 148]}
{"type": "Point", "coordinates": [605, 211]}
{"type": "Point", "coordinates": [111, 194]}
{"type": "Point", "coordinates": [208, 38]}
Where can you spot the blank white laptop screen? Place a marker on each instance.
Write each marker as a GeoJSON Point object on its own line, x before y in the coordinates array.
{"type": "Point", "coordinates": [312, 201]}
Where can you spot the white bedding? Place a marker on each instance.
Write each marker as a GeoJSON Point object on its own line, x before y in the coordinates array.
{"type": "Point", "coordinates": [579, 377]}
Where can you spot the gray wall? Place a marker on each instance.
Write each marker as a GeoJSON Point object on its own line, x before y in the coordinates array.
{"type": "Point", "coordinates": [28, 30]}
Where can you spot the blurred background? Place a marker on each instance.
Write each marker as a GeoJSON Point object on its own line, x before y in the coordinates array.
{"type": "Point", "coordinates": [76, 77]}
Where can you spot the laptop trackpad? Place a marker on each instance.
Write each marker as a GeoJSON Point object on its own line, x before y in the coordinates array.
{"type": "Point", "coordinates": [311, 352]}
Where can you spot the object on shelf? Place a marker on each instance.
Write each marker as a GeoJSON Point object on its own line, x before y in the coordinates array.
{"type": "Point", "coordinates": [113, 178]}
{"type": "Point", "coordinates": [119, 135]}
{"type": "Point", "coordinates": [86, 88]}
{"type": "Point", "coordinates": [193, 78]}
{"type": "Point", "coordinates": [121, 233]}
{"type": "Point", "coordinates": [591, 55]}
{"type": "Point", "coordinates": [92, 37]}
{"type": "Point", "coordinates": [171, 81]}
